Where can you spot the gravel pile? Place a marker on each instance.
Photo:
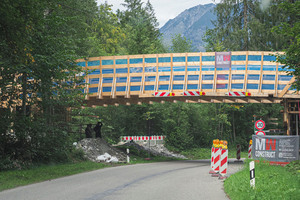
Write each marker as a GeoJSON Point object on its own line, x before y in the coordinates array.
{"type": "Point", "coordinates": [93, 148]}
{"type": "Point", "coordinates": [158, 149]}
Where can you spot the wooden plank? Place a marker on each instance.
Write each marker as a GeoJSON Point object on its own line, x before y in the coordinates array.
{"type": "Point", "coordinates": [286, 88]}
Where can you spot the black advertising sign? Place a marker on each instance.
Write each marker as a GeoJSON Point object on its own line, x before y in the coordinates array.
{"type": "Point", "coordinates": [275, 148]}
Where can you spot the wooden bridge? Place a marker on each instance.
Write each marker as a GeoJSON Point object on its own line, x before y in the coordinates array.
{"type": "Point", "coordinates": [205, 77]}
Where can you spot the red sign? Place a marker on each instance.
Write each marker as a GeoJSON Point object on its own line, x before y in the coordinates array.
{"type": "Point", "coordinates": [260, 133]}
{"type": "Point", "coordinates": [260, 124]}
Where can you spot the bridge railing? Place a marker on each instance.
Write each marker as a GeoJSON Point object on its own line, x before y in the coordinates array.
{"type": "Point", "coordinates": [143, 75]}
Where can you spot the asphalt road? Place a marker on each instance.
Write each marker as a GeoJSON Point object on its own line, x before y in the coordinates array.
{"type": "Point", "coordinates": [165, 180]}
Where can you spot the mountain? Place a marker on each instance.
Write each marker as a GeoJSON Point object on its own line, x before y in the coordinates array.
{"type": "Point", "coordinates": [191, 23]}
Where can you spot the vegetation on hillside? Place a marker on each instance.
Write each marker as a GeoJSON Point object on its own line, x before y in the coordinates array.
{"type": "Point", "coordinates": [40, 41]}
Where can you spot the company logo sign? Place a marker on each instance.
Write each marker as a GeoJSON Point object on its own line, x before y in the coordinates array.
{"type": "Point", "coordinates": [223, 59]}
{"type": "Point", "coordinates": [275, 148]}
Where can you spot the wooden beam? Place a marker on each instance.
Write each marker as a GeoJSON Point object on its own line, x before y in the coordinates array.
{"type": "Point", "coordinates": [240, 101]}
{"type": "Point", "coordinates": [228, 101]}
{"type": "Point", "coordinates": [253, 101]}
{"type": "Point", "coordinates": [286, 88]}
{"type": "Point", "coordinates": [215, 101]}
{"type": "Point", "coordinates": [266, 101]}
{"type": "Point", "coordinates": [203, 101]}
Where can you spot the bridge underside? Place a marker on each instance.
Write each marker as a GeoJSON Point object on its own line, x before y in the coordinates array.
{"type": "Point", "coordinates": [105, 101]}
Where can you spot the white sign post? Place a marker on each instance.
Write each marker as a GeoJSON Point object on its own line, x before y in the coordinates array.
{"type": "Point", "coordinates": [252, 174]}
{"type": "Point", "coordinates": [128, 158]}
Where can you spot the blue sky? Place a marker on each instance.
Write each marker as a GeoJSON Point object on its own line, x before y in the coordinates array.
{"type": "Point", "coordinates": [164, 9]}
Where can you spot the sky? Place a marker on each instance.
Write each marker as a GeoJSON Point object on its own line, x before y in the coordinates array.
{"type": "Point", "coordinates": [164, 9]}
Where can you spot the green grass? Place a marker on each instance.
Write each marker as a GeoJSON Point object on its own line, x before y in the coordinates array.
{"type": "Point", "coordinates": [205, 153]}
{"type": "Point", "coordinates": [271, 182]}
{"type": "Point", "coordinates": [15, 178]}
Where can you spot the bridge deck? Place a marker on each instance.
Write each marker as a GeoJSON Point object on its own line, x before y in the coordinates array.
{"type": "Point", "coordinates": [136, 78]}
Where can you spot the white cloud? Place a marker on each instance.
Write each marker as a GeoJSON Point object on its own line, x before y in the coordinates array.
{"type": "Point", "coordinates": [164, 9]}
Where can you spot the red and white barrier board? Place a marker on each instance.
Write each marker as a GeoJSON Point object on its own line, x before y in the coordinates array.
{"type": "Point", "coordinates": [193, 93]}
{"type": "Point", "coordinates": [238, 94]}
{"type": "Point", "coordinates": [142, 138]}
{"type": "Point", "coordinates": [212, 160]}
{"type": "Point", "coordinates": [164, 94]}
{"type": "Point", "coordinates": [223, 163]}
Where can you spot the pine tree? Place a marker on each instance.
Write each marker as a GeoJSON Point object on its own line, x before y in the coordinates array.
{"type": "Point", "coordinates": [141, 26]}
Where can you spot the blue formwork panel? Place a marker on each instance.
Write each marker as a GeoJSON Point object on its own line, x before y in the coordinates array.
{"type": "Point", "coordinates": [121, 61]}
{"type": "Point", "coordinates": [136, 61]}
{"type": "Point", "coordinates": [177, 86]}
{"type": "Point", "coordinates": [254, 57]}
{"type": "Point", "coordinates": [193, 77]}
{"type": "Point", "coordinates": [94, 63]}
{"type": "Point", "coordinates": [149, 87]}
{"type": "Point", "coordinates": [252, 86]}
{"type": "Point", "coordinates": [107, 62]}
{"type": "Point", "coordinates": [121, 79]}
{"type": "Point", "coordinates": [192, 86]}
{"type": "Point", "coordinates": [237, 76]}
{"type": "Point", "coordinates": [237, 86]}
{"type": "Point", "coordinates": [178, 78]}
{"type": "Point", "coordinates": [267, 86]}
{"type": "Point", "coordinates": [178, 59]}
{"type": "Point", "coordinates": [121, 70]}
{"type": "Point", "coordinates": [238, 57]}
{"type": "Point", "coordinates": [268, 77]}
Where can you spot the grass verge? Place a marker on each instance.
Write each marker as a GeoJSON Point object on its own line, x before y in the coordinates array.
{"type": "Point", "coordinates": [271, 182]}
{"type": "Point", "coordinates": [205, 153]}
{"type": "Point", "coordinates": [15, 178]}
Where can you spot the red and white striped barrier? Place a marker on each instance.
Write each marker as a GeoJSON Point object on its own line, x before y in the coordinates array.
{"type": "Point", "coordinates": [238, 94]}
{"type": "Point", "coordinates": [238, 152]}
{"type": "Point", "coordinates": [142, 138]}
{"type": "Point", "coordinates": [164, 94]}
{"type": "Point", "coordinates": [223, 163]}
{"type": "Point", "coordinates": [193, 93]}
{"type": "Point", "coordinates": [250, 149]}
{"type": "Point", "coordinates": [212, 160]}
{"type": "Point", "coordinates": [217, 159]}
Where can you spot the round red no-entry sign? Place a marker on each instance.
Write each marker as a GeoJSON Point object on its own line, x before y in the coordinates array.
{"type": "Point", "coordinates": [260, 124]}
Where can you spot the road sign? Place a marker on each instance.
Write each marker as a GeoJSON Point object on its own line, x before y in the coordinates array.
{"type": "Point", "coordinates": [260, 133]}
{"type": "Point", "coordinates": [260, 124]}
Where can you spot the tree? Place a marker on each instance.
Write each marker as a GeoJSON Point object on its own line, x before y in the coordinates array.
{"type": "Point", "coordinates": [141, 26]}
{"type": "Point", "coordinates": [245, 25]}
{"type": "Point", "coordinates": [291, 31]}
{"type": "Point", "coordinates": [106, 33]}
{"type": "Point", "coordinates": [40, 41]}
{"type": "Point", "coordinates": [181, 44]}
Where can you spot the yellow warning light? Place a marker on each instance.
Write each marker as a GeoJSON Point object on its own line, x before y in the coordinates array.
{"type": "Point", "coordinates": [248, 94]}
{"type": "Point", "coordinates": [250, 141]}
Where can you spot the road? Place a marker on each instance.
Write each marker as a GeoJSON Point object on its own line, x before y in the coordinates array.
{"type": "Point", "coordinates": [164, 180]}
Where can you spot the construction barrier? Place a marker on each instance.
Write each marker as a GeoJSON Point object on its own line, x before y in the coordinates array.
{"type": "Point", "coordinates": [193, 93]}
{"type": "Point", "coordinates": [224, 161]}
{"type": "Point", "coordinates": [250, 149]}
{"type": "Point", "coordinates": [238, 94]}
{"type": "Point", "coordinates": [214, 146]}
{"type": "Point", "coordinates": [142, 138]}
{"type": "Point", "coordinates": [164, 94]}
{"type": "Point", "coordinates": [217, 157]}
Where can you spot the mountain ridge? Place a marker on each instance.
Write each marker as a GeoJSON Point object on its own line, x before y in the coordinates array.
{"type": "Point", "coordinates": [192, 24]}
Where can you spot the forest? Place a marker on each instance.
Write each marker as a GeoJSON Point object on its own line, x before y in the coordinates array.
{"type": "Point", "coordinates": [41, 112]}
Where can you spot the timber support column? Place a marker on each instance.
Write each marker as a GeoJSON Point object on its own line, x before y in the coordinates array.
{"type": "Point", "coordinates": [286, 117]}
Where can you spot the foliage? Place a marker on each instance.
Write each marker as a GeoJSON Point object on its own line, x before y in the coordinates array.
{"type": "Point", "coordinates": [291, 31]}
{"type": "Point", "coordinates": [141, 26]}
{"type": "Point", "coordinates": [271, 182]}
{"type": "Point", "coordinates": [180, 44]}
{"type": "Point", "coordinates": [40, 41]}
{"type": "Point", "coordinates": [185, 125]}
{"type": "Point", "coordinates": [245, 25]}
